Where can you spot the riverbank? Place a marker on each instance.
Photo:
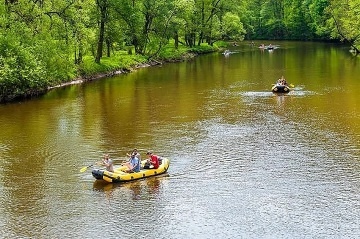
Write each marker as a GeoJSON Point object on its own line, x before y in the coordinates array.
{"type": "Point", "coordinates": [111, 66]}
{"type": "Point", "coordinates": [125, 70]}
{"type": "Point", "coordinates": [83, 79]}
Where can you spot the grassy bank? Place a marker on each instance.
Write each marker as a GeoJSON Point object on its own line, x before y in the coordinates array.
{"type": "Point", "coordinates": [18, 87]}
{"type": "Point", "coordinates": [121, 61]}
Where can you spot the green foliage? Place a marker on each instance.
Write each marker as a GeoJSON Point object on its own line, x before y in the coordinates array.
{"type": "Point", "coordinates": [21, 73]}
{"type": "Point", "coordinates": [203, 48]}
{"type": "Point", "coordinates": [58, 60]}
{"type": "Point", "coordinates": [121, 60]}
{"type": "Point", "coordinates": [345, 21]}
{"type": "Point", "coordinates": [317, 16]}
{"type": "Point", "coordinates": [44, 43]}
{"type": "Point", "coordinates": [221, 44]}
{"type": "Point", "coordinates": [169, 52]}
{"type": "Point", "coordinates": [233, 27]}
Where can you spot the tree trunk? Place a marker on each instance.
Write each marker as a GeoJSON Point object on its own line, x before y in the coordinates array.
{"type": "Point", "coordinates": [108, 47]}
{"type": "Point", "coordinates": [176, 38]}
{"type": "Point", "coordinates": [100, 42]}
{"type": "Point", "coordinates": [201, 34]}
{"type": "Point", "coordinates": [103, 8]}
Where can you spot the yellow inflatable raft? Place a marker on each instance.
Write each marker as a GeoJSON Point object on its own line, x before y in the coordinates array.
{"type": "Point", "coordinates": [119, 174]}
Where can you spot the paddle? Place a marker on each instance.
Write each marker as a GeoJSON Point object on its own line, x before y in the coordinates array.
{"type": "Point", "coordinates": [83, 169]}
{"type": "Point", "coordinates": [290, 85]}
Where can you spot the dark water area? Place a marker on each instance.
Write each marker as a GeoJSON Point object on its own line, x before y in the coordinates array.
{"type": "Point", "coordinates": [245, 163]}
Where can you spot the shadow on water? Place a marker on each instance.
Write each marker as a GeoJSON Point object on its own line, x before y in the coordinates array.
{"type": "Point", "coordinates": [135, 188]}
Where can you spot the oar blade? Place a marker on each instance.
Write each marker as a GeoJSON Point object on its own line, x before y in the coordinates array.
{"type": "Point", "coordinates": [83, 169]}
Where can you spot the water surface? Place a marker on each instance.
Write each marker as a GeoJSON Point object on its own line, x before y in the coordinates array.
{"type": "Point", "coordinates": [245, 163]}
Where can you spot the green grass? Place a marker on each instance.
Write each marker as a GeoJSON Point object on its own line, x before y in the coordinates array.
{"type": "Point", "coordinates": [121, 60]}
{"type": "Point", "coordinates": [118, 61]}
{"type": "Point", "coordinates": [170, 53]}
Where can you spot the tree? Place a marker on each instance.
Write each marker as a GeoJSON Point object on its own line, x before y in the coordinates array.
{"type": "Point", "coordinates": [102, 6]}
{"type": "Point", "coordinates": [346, 22]}
{"type": "Point", "coordinates": [232, 27]}
{"type": "Point", "coordinates": [317, 17]}
{"type": "Point", "coordinates": [148, 23]}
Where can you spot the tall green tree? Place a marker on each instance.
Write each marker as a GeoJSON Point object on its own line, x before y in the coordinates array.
{"type": "Point", "coordinates": [345, 22]}
{"type": "Point", "coordinates": [148, 23]}
{"type": "Point", "coordinates": [128, 13]}
{"type": "Point", "coordinates": [273, 12]}
{"type": "Point", "coordinates": [102, 6]}
{"type": "Point", "coordinates": [317, 16]}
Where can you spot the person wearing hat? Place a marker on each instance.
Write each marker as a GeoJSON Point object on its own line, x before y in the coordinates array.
{"type": "Point", "coordinates": [153, 161]}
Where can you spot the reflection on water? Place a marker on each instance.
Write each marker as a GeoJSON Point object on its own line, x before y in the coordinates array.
{"type": "Point", "coordinates": [246, 163]}
{"type": "Point", "coordinates": [137, 189]}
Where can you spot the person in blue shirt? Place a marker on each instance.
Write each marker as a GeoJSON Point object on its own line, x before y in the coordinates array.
{"type": "Point", "coordinates": [133, 164]}
{"type": "Point", "coordinates": [137, 154]}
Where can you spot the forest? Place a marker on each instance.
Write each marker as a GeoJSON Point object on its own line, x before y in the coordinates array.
{"type": "Point", "coordinates": [44, 43]}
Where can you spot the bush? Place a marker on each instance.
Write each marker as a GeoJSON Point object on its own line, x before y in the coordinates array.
{"type": "Point", "coordinates": [203, 49]}
{"type": "Point", "coordinates": [21, 73]}
{"type": "Point", "coordinates": [121, 60]}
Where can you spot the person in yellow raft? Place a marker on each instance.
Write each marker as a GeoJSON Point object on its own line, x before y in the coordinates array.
{"type": "Point", "coordinates": [136, 153]}
{"type": "Point", "coordinates": [108, 163]}
{"type": "Point", "coordinates": [153, 161]}
{"type": "Point", "coordinates": [133, 165]}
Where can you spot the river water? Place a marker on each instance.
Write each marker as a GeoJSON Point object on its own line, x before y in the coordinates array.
{"type": "Point", "coordinates": [245, 163]}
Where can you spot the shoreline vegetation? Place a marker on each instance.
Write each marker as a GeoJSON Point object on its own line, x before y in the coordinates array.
{"type": "Point", "coordinates": [126, 70]}
{"type": "Point", "coordinates": [119, 63]}
{"type": "Point", "coordinates": [52, 44]}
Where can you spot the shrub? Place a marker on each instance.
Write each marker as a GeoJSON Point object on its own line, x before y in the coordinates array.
{"type": "Point", "coordinates": [21, 73]}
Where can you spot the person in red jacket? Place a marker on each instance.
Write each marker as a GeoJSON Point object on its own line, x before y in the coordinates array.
{"type": "Point", "coordinates": [153, 161]}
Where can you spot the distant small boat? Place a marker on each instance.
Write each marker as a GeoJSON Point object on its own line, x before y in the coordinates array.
{"type": "Point", "coordinates": [278, 88]}
{"type": "Point", "coordinates": [226, 53]}
{"type": "Point", "coordinates": [269, 47]}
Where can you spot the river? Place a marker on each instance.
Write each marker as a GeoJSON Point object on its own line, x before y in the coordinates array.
{"type": "Point", "coordinates": [245, 163]}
